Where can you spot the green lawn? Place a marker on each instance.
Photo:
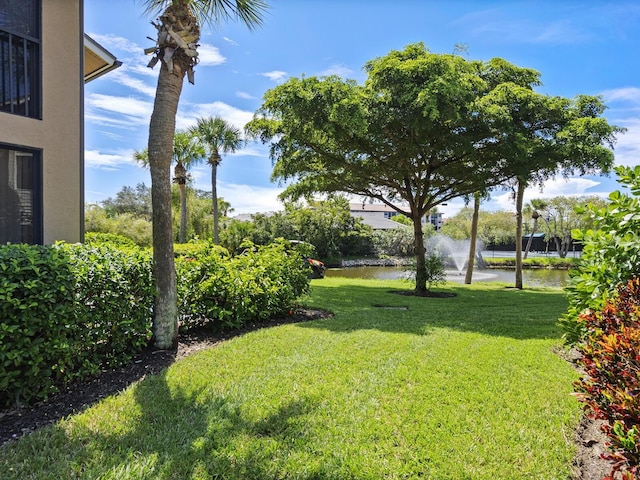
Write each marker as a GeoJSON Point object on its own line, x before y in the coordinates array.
{"type": "Point", "coordinates": [392, 387]}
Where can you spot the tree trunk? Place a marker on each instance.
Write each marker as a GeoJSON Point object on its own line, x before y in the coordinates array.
{"type": "Point", "coordinates": [183, 212]}
{"type": "Point", "coordinates": [214, 198]}
{"type": "Point", "coordinates": [160, 148]}
{"type": "Point", "coordinates": [519, 202]}
{"type": "Point", "coordinates": [474, 237]}
{"type": "Point", "coordinates": [535, 217]}
{"type": "Point", "coordinates": [418, 244]}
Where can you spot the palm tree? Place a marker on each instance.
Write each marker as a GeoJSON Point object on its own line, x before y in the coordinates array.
{"type": "Point", "coordinates": [176, 50]}
{"type": "Point", "coordinates": [186, 152]}
{"type": "Point", "coordinates": [535, 206]}
{"type": "Point", "coordinates": [217, 136]}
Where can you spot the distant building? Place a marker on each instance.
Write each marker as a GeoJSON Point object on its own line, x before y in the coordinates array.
{"type": "Point", "coordinates": [379, 216]}
{"type": "Point", "coordinates": [45, 60]}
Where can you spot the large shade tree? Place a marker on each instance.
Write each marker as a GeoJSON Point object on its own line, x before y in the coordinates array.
{"type": "Point", "coordinates": [412, 137]}
{"type": "Point", "coordinates": [216, 136]}
{"type": "Point", "coordinates": [178, 32]}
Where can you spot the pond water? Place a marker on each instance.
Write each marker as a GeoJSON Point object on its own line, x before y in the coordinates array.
{"type": "Point", "coordinates": [537, 277]}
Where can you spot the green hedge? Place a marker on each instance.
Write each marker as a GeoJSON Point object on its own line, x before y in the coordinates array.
{"type": "Point", "coordinates": [68, 311]}
{"type": "Point", "coordinates": [36, 288]}
{"type": "Point", "coordinates": [220, 291]}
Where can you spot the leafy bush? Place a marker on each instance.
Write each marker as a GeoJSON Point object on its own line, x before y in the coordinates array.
{"type": "Point", "coordinates": [610, 253]}
{"type": "Point", "coordinates": [66, 311]}
{"type": "Point", "coordinates": [532, 262]}
{"type": "Point", "coordinates": [397, 242]}
{"type": "Point", "coordinates": [36, 288]}
{"type": "Point", "coordinates": [228, 292]}
{"type": "Point", "coordinates": [611, 383]}
{"type": "Point", "coordinates": [97, 238]}
{"type": "Point", "coordinates": [113, 300]}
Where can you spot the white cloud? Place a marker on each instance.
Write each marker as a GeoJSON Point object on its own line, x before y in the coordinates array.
{"type": "Point", "coordinates": [339, 70]}
{"type": "Point", "coordinates": [136, 84]}
{"type": "Point", "coordinates": [275, 75]}
{"type": "Point", "coordinates": [625, 94]}
{"type": "Point", "coordinates": [108, 161]}
{"type": "Point", "coordinates": [245, 96]}
{"type": "Point", "coordinates": [113, 42]}
{"type": "Point", "coordinates": [251, 198]}
{"type": "Point", "coordinates": [627, 148]}
{"type": "Point", "coordinates": [570, 187]}
{"type": "Point", "coordinates": [189, 114]}
{"type": "Point", "coordinates": [230, 41]}
{"type": "Point", "coordinates": [243, 198]}
{"type": "Point", "coordinates": [210, 56]}
{"type": "Point", "coordinates": [127, 109]}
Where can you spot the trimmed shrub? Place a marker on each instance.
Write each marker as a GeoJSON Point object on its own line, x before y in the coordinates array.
{"type": "Point", "coordinates": [66, 311]}
{"type": "Point", "coordinates": [610, 387]}
{"type": "Point", "coordinates": [114, 304]}
{"type": "Point", "coordinates": [228, 292]}
{"type": "Point", "coordinates": [36, 292]}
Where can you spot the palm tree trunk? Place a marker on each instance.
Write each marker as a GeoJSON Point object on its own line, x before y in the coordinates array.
{"type": "Point", "coordinates": [183, 213]}
{"type": "Point", "coordinates": [533, 232]}
{"type": "Point", "coordinates": [214, 195]}
{"type": "Point", "coordinates": [519, 204]}
{"type": "Point", "coordinates": [160, 148]}
{"type": "Point", "coordinates": [474, 237]}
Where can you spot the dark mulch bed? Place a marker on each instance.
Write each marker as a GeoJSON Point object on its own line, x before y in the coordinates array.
{"type": "Point", "coordinates": [78, 396]}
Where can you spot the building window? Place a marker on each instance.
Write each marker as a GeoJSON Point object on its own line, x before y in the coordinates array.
{"type": "Point", "coordinates": [20, 198]}
{"type": "Point", "coordinates": [20, 85]}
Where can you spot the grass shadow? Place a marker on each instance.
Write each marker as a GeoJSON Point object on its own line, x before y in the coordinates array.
{"type": "Point", "coordinates": [488, 309]}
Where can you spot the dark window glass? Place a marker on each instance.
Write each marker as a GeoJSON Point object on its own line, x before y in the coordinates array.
{"type": "Point", "coordinates": [20, 57]}
{"type": "Point", "coordinates": [20, 17]}
{"type": "Point", "coordinates": [20, 205]}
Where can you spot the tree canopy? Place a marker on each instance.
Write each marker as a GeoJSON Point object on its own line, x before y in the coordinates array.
{"type": "Point", "coordinates": [423, 129]}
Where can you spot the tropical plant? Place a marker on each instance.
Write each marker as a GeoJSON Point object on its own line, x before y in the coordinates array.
{"type": "Point", "coordinates": [186, 151]}
{"type": "Point", "coordinates": [176, 49]}
{"type": "Point", "coordinates": [610, 252]}
{"type": "Point", "coordinates": [216, 136]}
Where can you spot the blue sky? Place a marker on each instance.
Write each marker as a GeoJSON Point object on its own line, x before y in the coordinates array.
{"type": "Point", "coordinates": [580, 47]}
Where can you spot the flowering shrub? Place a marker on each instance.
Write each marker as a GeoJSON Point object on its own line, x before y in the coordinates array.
{"type": "Point", "coordinates": [610, 387]}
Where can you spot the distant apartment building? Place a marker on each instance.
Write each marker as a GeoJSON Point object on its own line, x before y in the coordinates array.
{"type": "Point", "coordinates": [379, 216]}
{"type": "Point", "coordinates": [45, 59]}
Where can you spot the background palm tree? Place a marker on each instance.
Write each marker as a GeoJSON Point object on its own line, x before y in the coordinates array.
{"type": "Point", "coordinates": [186, 151]}
{"type": "Point", "coordinates": [534, 207]}
{"type": "Point", "coordinates": [217, 136]}
{"type": "Point", "coordinates": [176, 49]}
